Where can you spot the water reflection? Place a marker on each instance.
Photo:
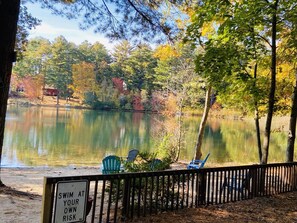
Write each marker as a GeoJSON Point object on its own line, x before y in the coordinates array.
{"type": "Point", "coordinates": [51, 137]}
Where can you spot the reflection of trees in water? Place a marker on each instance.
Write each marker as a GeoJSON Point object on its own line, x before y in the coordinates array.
{"type": "Point", "coordinates": [240, 141]}
{"type": "Point", "coordinates": [213, 140]}
{"type": "Point", "coordinates": [231, 141]}
{"type": "Point", "coordinates": [38, 136]}
{"type": "Point", "coordinates": [240, 138]}
{"type": "Point", "coordinates": [76, 134]}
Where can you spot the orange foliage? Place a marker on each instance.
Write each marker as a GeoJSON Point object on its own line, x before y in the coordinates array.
{"type": "Point", "coordinates": [84, 78]}
{"type": "Point", "coordinates": [137, 105]}
{"type": "Point", "coordinates": [171, 106]}
{"type": "Point", "coordinates": [32, 87]}
{"type": "Point", "coordinates": [119, 85]}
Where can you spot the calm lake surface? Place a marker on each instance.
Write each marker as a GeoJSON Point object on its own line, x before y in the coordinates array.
{"type": "Point", "coordinates": [41, 136]}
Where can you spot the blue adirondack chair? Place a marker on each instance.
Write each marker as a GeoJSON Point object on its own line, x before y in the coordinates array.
{"type": "Point", "coordinates": [238, 183]}
{"type": "Point", "coordinates": [132, 155]}
{"type": "Point", "coordinates": [198, 164]}
{"type": "Point", "coordinates": [130, 158]}
{"type": "Point", "coordinates": [111, 164]}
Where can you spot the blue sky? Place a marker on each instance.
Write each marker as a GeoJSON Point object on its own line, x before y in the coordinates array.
{"type": "Point", "coordinates": [53, 26]}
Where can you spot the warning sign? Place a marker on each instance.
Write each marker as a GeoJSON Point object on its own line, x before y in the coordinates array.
{"type": "Point", "coordinates": [71, 201]}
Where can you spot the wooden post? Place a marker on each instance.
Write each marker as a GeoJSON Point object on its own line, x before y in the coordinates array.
{"type": "Point", "coordinates": [294, 177]}
{"type": "Point", "coordinates": [126, 196]}
{"type": "Point", "coordinates": [201, 188]}
{"type": "Point", "coordinates": [47, 201]}
{"type": "Point", "coordinates": [254, 188]}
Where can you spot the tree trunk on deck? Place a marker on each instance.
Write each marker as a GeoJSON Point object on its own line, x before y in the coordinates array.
{"type": "Point", "coordinates": [9, 12]}
{"type": "Point", "coordinates": [271, 99]}
{"type": "Point", "coordinates": [207, 106]}
{"type": "Point", "coordinates": [257, 118]}
{"type": "Point", "coordinates": [292, 126]}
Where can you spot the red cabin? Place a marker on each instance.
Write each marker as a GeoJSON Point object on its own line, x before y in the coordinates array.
{"type": "Point", "coordinates": [50, 91]}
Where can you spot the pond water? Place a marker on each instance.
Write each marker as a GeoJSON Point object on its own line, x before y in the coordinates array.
{"type": "Point", "coordinates": [42, 136]}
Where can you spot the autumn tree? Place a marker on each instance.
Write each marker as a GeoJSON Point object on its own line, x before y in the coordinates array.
{"type": "Point", "coordinates": [84, 79]}
{"type": "Point", "coordinates": [33, 64]}
{"type": "Point", "coordinates": [176, 76]}
{"type": "Point", "coordinates": [32, 86]}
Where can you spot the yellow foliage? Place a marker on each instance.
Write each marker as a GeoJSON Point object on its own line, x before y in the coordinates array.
{"type": "Point", "coordinates": [171, 106]}
{"type": "Point", "coordinates": [285, 71]}
{"type": "Point", "coordinates": [181, 23]}
{"type": "Point", "coordinates": [208, 29]}
{"type": "Point", "coordinates": [190, 11]}
{"type": "Point", "coordinates": [84, 78]}
{"type": "Point", "coordinates": [165, 52]}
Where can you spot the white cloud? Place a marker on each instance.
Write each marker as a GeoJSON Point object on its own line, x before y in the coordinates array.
{"type": "Point", "coordinates": [53, 26]}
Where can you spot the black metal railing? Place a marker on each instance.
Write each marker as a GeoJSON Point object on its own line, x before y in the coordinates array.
{"type": "Point", "coordinates": [118, 197]}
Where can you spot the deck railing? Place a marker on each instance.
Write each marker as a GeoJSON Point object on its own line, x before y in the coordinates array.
{"type": "Point", "coordinates": [119, 197]}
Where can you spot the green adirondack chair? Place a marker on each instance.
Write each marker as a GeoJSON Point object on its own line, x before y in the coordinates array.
{"type": "Point", "coordinates": [111, 164]}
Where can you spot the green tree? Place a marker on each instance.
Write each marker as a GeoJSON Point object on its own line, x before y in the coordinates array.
{"type": "Point", "coordinates": [135, 66]}
{"type": "Point", "coordinates": [59, 71]}
{"type": "Point", "coordinates": [26, 22]}
{"type": "Point", "coordinates": [34, 59]}
{"type": "Point", "coordinates": [121, 53]}
{"type": "Point", "coordinates": [139, 70]}
{"type": "Point", "coordinates": [98, 55]}
{"type": "Point", "coordinates": [259, 22]}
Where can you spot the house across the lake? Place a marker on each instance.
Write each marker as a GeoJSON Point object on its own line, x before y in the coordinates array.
{"type": "Point", "coordinates": [50, 91]}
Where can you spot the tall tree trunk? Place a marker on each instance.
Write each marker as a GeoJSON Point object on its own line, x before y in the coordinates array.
{"type": "Point", "coordinates": [292, 126]}
{"type": "Point", "coordinates": [9, 12]}
{"type": "Point", "coordinates": [258, 133]}
{"type": "Point", "coordinates": [257, 118]}
{"type": "Point", "coordinates": [180, 130]}
{"type": "Point", "coordinates": [266, 140]}
{"type": "Point", "coordinates": [207, 106]}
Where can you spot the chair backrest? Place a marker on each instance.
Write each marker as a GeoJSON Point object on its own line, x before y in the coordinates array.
{"type": "Point", "coordinates": [132, 155]}
{"type": "Point", "coordinates": [111, 164]}
{"type": "Point", "coordinates": [204, 161]}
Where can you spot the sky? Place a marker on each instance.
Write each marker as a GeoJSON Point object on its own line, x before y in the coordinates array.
{"type": "Point", "coordinates": [53, 26]}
